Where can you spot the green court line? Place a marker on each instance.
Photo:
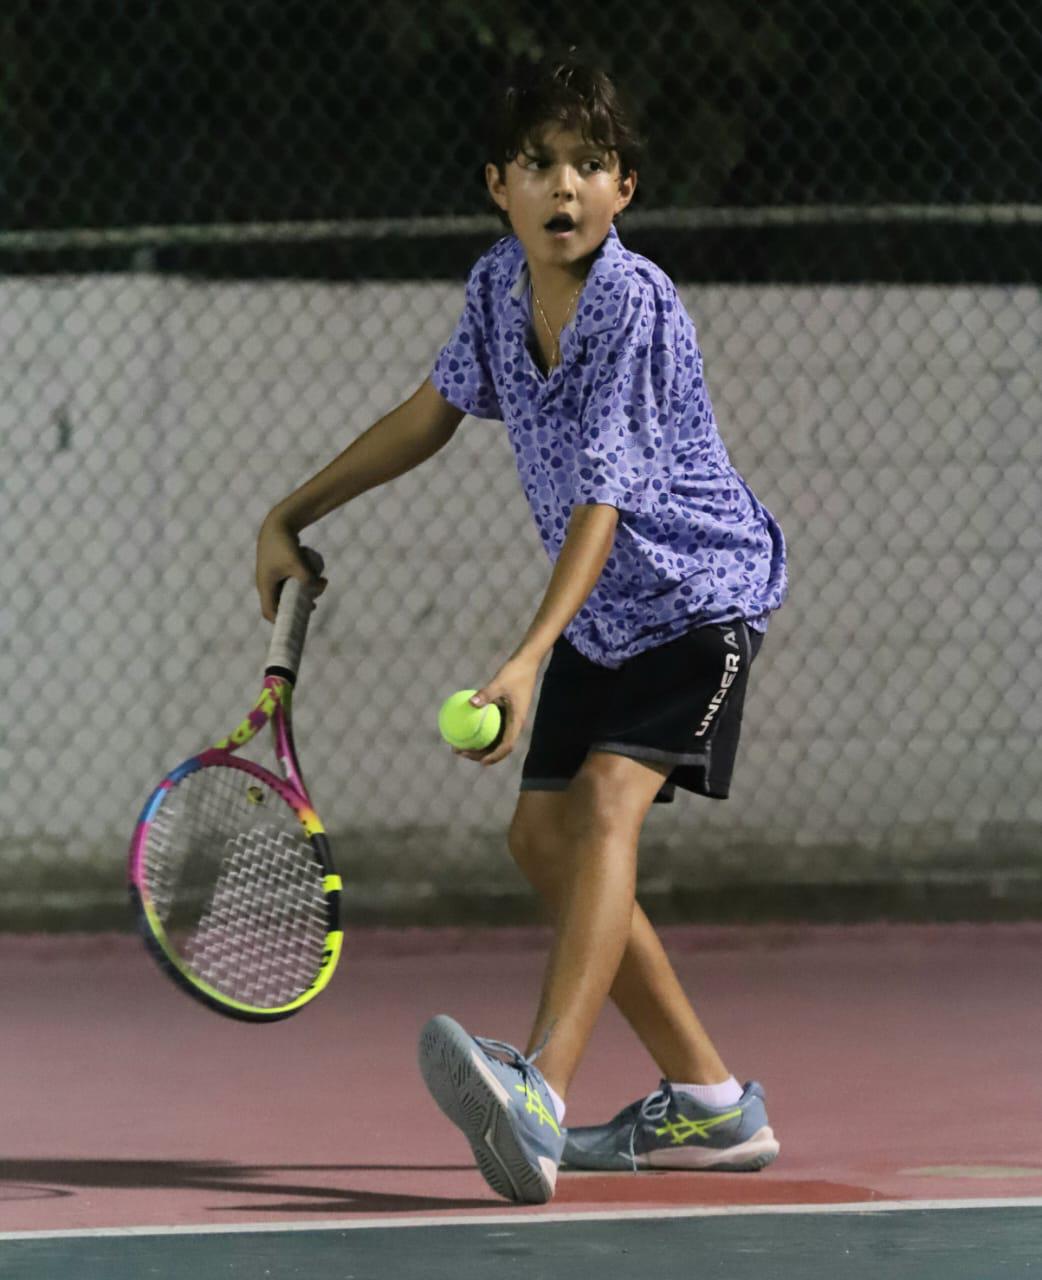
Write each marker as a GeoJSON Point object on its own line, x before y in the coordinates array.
{"type": "Point", "coordinates": [910, 1244]}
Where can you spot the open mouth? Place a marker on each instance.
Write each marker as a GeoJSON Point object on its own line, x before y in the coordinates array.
{"type": "Point", "coordinates": [560, 224]}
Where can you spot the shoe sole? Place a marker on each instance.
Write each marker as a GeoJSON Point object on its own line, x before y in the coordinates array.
{"type": "Point", "coordinates": [470, 1095]}
{"type": "Point", "coordinates": [750, 1156]}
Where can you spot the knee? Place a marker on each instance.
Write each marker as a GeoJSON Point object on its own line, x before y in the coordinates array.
{"type": "Point", "coordinates": [536, 851]}
{"type": "Point", "coordinates": [522, 841]}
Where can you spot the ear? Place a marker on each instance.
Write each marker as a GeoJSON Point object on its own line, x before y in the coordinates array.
{"type": "Point", "coordinates": [627, 186]}
{"type": "Point", "coordinates": [497, 187]}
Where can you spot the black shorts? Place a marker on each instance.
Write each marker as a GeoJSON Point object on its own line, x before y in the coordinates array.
{"type": "Point", "coordinates": [678, 704]}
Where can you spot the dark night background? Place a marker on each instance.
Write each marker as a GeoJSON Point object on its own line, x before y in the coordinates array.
{"type": "Point", "coordinates": [210, 111]}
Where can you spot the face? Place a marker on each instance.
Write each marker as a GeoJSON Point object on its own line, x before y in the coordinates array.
{"type": "Point", "coordinates": [561, 193]}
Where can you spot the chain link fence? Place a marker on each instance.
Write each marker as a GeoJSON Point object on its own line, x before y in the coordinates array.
{"type": "Point", "coordinates": [234, 235]}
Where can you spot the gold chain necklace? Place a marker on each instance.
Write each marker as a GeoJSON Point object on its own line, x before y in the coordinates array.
{"type": "Point", "coordinates": [555, 338]}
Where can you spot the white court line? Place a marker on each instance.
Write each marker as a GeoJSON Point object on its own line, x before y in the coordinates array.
{"type": "Point", "coordinates": [520, 1215]}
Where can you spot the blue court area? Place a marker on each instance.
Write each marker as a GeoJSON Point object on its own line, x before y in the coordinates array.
{"type": "Point", "coordinates": [957, 1242]}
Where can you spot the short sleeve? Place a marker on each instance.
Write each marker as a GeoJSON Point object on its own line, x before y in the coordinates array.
{"type": "Point", "coordinates": [627, 428]}
{"type": "Point", "coordinates": [462, 372]}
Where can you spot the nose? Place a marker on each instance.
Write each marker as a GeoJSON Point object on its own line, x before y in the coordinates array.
{"type": "Point", "coordinates": [564, 182]}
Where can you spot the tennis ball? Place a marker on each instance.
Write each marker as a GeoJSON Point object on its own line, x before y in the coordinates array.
{"type": "Point", "coordinates": [466, 727]}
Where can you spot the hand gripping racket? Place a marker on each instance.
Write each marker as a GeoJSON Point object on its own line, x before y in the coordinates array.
{"type": "Point", "coordinates": [230, 872]}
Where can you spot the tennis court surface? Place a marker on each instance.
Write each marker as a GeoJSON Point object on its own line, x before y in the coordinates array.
{"type": "Point", "coordinates": [143, 1135]}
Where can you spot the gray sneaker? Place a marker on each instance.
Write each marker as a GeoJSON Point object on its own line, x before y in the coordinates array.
{"type": "Point", "coordinates": [670, 1130]}
{"type": "Point", "coordinates": [501, 1102]}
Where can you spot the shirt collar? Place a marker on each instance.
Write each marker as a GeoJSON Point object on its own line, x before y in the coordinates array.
{"type": "Point", "coordinates": [603, 278]}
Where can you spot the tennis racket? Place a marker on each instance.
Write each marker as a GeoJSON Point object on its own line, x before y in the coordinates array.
{"type": "Point", "coordinates": [230, 872]}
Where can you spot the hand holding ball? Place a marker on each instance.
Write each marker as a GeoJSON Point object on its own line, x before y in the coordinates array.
{"type": "Point", "coordinates": [469, 728]}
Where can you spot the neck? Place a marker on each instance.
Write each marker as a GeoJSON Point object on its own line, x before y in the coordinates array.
{"type": "Point", "coordinates": [555, 286]}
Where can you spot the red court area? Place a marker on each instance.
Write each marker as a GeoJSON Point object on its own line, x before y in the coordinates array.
{"type": "Point", "coordinates": [900, 1063]}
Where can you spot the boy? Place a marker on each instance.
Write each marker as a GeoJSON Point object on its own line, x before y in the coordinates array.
{"type": "Point", "coordinates": [665, 569]}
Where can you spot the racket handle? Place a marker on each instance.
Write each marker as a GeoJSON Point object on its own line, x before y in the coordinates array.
{"type": "Point", "coordinates": [296, 601]}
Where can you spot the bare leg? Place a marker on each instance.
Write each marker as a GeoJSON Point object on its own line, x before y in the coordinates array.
{"type": "Point", "coordinates": [645, 987]}
{"type": "Point", "coordinates": [591, 929]}
{"type": "Point", "coordinates": [651, 999]}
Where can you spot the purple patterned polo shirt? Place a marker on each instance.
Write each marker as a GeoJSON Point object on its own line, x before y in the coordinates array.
{"type": "Point", "coordinates": [625, 421]}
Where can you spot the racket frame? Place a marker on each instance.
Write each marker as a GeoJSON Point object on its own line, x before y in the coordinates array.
{"type": "Point", "coordinates": [273, 707]}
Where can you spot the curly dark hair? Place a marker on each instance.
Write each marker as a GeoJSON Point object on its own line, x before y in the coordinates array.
{"type": "Point", "coordinates": [571, 94]}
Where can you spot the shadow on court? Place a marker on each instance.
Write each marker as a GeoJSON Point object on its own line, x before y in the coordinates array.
{"type": "Point", "coordinates": [56, 1178]}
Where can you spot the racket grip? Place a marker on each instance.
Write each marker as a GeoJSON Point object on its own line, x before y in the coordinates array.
{"type": "Point", "coordinates": [296, 601]}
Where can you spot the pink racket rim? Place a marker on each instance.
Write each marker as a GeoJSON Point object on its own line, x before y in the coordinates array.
{"type": "Point", "coordinates": [147, 917]}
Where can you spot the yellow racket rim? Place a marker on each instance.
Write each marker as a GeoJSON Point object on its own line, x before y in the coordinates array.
{"type": "Point", "coordinates": [331, 950]}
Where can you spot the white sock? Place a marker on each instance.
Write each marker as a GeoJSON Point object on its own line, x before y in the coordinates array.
{"type": "Point", "coordinates": [713, 1095]}
{"type": "Point", "coordinates": [558, 1104]}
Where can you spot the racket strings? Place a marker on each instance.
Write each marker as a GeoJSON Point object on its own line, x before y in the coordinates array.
{"type": "Point", "coordinates": [237, 887]}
